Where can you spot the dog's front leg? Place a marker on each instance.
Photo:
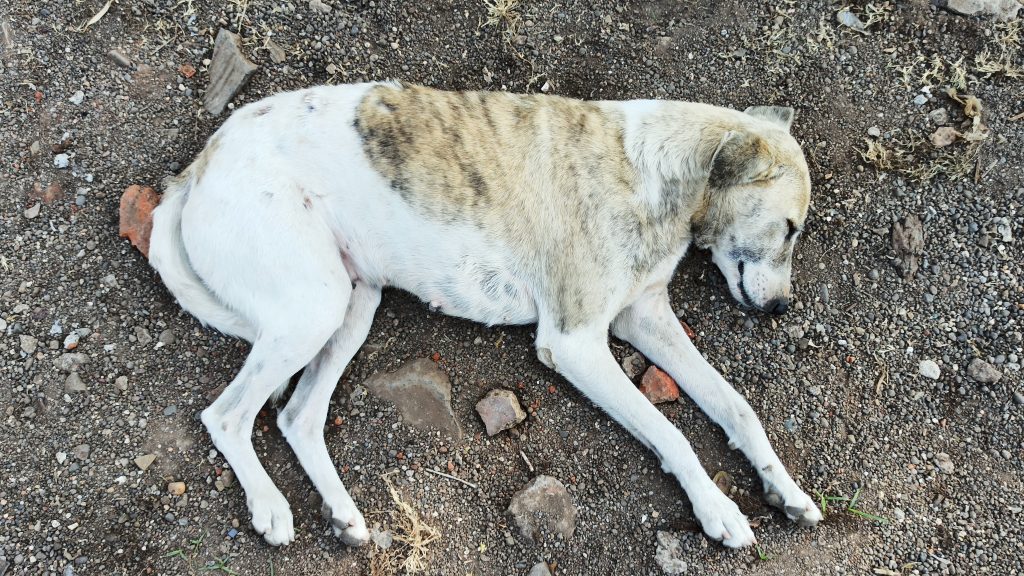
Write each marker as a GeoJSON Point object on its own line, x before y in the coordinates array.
{"type": "Point", "coordinates": [583, 357]}
{"type": "Point", "coordinates": [652, 328]}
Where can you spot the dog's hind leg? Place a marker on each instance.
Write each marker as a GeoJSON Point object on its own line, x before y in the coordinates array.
{"type": "Point", "coordinates": [583, 357]}
{"type": "Point", "coordinates": [302, 420]}
{"type": "Point", "coordinates": [652, 328]}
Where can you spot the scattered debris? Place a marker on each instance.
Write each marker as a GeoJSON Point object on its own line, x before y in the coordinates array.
{"type": "Point", "coordinates": [1000, 228]}
{"type": "Point", "coordinates": [944, 462]}
{"type": "Point", "coordinates": [908, 242]}
{"type": "Point", "coordinates": [658, 386]}
{"type": "Point", "coordinates": [422, 393]}
{"type": "Point", "coordinates": [724, 481]}
{"type": "Point", "coordinates": [1001, 10]}
{"type": "Point", "coordinates": [851, 21]}
{"type": "Point", "coordinates": [70, 361]}
{"type": "Point", "coordinates": [230, 70]}
{"type": "Point", "coordinates": [929, 369]}
{"type": "Point", "coordinates": [669, 554]}
{"type": "Point", "coordinates": [944, 136]}
{"type": "Point", "coordinates": [28, 343]}
{"type": "Point", "coordinates": [500, 410]}
{"type": "Point", "coordinates": [145, 461]}
{"type": "Point", "coordinates": [981, 371]}
{"type": "Point", "coordinates": [120, 59]}
{"type": "Point", "coordinates": [61, 161]}
{"type": "Point", "coordinates": [136, 215]}
{"type": "Point", "coordinates": [187, 70]}
{"type": "Point", "coordinates": [543, 504]}
{"type": "Point", "coordinates": [95, 18]}
{"type": "Point", "coordinates": [277, 54]}
{"type": "Point", "coordinates": [406, 549]}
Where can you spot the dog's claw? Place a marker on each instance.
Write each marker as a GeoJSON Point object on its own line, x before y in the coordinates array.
{"type": "Point", "coordinates": [799, 507]}
{"type": "Point", "coordinates": [352, 531]}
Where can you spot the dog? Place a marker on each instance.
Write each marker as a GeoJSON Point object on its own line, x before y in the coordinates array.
{"type": "Point", "coordinates": [496, 207]}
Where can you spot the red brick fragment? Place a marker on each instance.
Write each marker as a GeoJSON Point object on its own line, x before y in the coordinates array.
{"type": "Point", "coordinates": [136, 214]}
{"type": "Point", "coordinates": [658, 386]}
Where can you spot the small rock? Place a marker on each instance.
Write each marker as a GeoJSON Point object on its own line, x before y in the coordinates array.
{"type": "Point", "coordinates": [136, 216]}
{"type": "Point", "coordinates": [73, 383]}
{"type": "Point", "coordinates": [500, 410]}
{"type": "Point", "coordinates": [230, 70]}
{"type": "Point", "coordinates": [70, 361]}
{"type": "Point", "coordinates": [227, 478]}
{"type": "Point", "coordinates": [658, 386]}
{"type": "Point", "coordinates": [421, 392]}
{"type": "Point", "coordinates": [944, 136]}
{"type": "Point", "coordinates": [166, 337]}
{"type": "Point", "coordinates": [943, 461]}
{"type": "Point", "coordinates": [28, 343]}
{"type": "Point", "coordinates": [33, 211]}
{"type": "Point", "coordinates": [77, 98]}
{"type": "Point", "coordinates": [981, 371]}
{"type": "Point", "coordinates": [170, 410]}
{"type": "Point", "coordinates": [7, 39]}
{"type": "Point", "coordinates": [81, 452]}
{"type": "Point", "coordinates": [61, 160]}
{"type": "Point", "coordinates": [907, 237]}
{"type": "Point", "coordinates": [61, 457]}
{"type": "Point", "coordinates": [120, 59]}
{"type": "Point", "coordinates": [145, 461]}
{"type": "Point", "coordinates": [724, 481]}
{"type": "Point", "coordinates": [319, 6]}
{"type": "Point", "coordinates": [1001, 10]}
{"type": "Point", "coordinates": [929, 369]}
{"type": "Point", "coordinates": [851, 20]}
{"type": "Point", "coordinates": [874, 132]}
{"type": "Point", "coordinates": [669, 554]}
{"type": "Point", "coordinates": [814, 390]}
{"type": "Point", "coordinates": [175, 488]}
{"type": "Point", "coordinates": [543, 504]}
{"type": "Point", "coordinates": [939, 116]}
{"type": "Point", "coordinates": [277, 54]}
{"type": "Point", "coordinates": [121, 383]}
{"type": "Point", "coordinates": [71, 340]}
{"type": "Point", "coordinates": [382, 538]}
{"type": "Point", "coordinates": [1018, 398]}
{"type": "Point", "coordinates": [920, 100]}
{"type": "Point", "coordinates": [633, 365]}
{"type": "Point", "coordinates": [540, 569]}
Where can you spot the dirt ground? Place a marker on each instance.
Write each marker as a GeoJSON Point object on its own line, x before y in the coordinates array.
{"type": "Point", "coordinates": [838, 381]}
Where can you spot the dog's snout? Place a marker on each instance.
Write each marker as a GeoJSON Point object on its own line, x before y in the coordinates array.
{"type": "Point", "coordinates": [777, 306]}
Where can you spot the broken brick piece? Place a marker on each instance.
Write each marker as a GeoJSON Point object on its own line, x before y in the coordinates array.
{"type": "Point", "coordinates": [658, 386]}
{"type": "Point", "coordinates": [136, 215]}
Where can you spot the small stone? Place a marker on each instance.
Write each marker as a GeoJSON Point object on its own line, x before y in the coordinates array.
{"type": "Point", "coordinates": [874, 132]}
{"type": "Point", "coordinates": [543, 505]}
{"type": "Point", "coordinates": [500, 410]}
{"type": "Point", "coordinates": [633, 365]}
{"type": "Point", "coordinates": [929, 369]}
{"type": "Point", "coordinates": [319, 6]}
{"type": "Point", "coordinates": [77, 98]}
{"type": "Point", "coordinates": [944, 136]}
{"type": "Point", "coordinates": [120, 59]}
{"type": "Point", "coordinates": [70, 361]}
{"type": "Point", "coordinates": [907, 236]}
{"type": "Point", "coordinates": [227, 478]}
{"type": "Point", "coordinates": [136, 216]}
{"type": "Point", "coordinates": [121, 383]}
{"type": "Point", "coordinates": [658, 386]}
{"type": "Point", "coordinates": [277, 54]}
{"type": "Point", "coordinates": [28, 343]}
{"type": "Point", "coordinates": [145, 461]}
{"type": "Point", "coordinates": [230, 70]}
{"type": "Point", "coordinates": [943, 461]}
{"type": "Point", "coordinates": [33, 211]}
{"type": "Point", "coordinates": [176, 488]}
{"type": "Point", "coordinates": [814, 390]}
{"type": "Point", "coordinates": [1001, 10]}
{"type": "Point", "coordinates": [61, 457]}
{"type": "Point", "coordinates": [382, 538]}
{"type": "Point", "coordinates": [61, 160]}
{"type": "Point", "coordinates": [73, 383]}
{"type": "Point", "coordinates": [81, 452]}
{"type": "Point", "coordinates": [669, 554]}
{"type": "Point", "coordinates": [920, 100]}
{"type": "Point", "coordinates": [170, 410]}
{"type": "Point", "coordinates": [422, 393]}
{"type": "Point", "coordinates": [166, 337]}
{"type": "Point", "coordinates": [981, 371]}
{"type": "Point", "coordinates": [540, 569]}
{"type": "Point", "coordinates": [939, 116]}
{"type": "Point", "coordinates": [1018, 398]}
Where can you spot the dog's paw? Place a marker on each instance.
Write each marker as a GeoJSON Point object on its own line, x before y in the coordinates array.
{"type": "Point", "coordinates": [722, 520]}
{"type": "Point", "coordinates": [798, 506]}
{"type": "Point", "coordinates": [272, 517]}
{"type": "Point", "coordinates": [347, 523]}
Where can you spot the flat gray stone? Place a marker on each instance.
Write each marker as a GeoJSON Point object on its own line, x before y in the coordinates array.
{"type": "Point", "coordinates": [981, 371]}
{"type": "Point", "coordinates": [422, 393]}
{"type": "Point", "coordinates": [73, 383]}
{"type": "Point", "coordinates": [929, 369]}
{"type": "Point", "coordinates": [145, 461]}
{"type": "Point", "coordinates": [543, 505]}
{"type": "Point", "coordinates": [230, 70]}
{"type": "Point", "coordinates": [500, 410]}
{"type": "Point", "coordinates": [1001, 10]}
{"type": "Point", "coordinates": [70, 361]}
{"type": "Point", "coordinates": [540, 569]}
{"type": "Point", "coordinates": [669, 554]}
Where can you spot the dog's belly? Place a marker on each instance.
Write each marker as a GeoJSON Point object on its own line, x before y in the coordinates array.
{"type": "Point", "coordinates": [478, 291]}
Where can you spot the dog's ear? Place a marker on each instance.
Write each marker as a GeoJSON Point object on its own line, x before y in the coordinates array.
{"type": "Point", "coordinates": [781, 115]}
{"type": "Point", "coordinates": [741, 158]}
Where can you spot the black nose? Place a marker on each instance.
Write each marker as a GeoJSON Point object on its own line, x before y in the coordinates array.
{"type": "Point", "coordinates": [777, 306]}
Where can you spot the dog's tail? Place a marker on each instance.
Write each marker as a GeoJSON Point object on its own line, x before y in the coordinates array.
{"type": "Point", "coordinates": [167, 254]}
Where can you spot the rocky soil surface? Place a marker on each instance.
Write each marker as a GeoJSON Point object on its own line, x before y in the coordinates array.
{"type": "Point", "coordinates": [892, 388]}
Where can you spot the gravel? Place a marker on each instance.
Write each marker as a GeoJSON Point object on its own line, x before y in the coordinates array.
{"type": "Point", "coordinates": [876, 426]}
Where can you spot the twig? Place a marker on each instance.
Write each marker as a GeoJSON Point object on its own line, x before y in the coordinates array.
{"type": "Point", "coordinates": [449, 476]}
{"type": "Point", "coordinates": [1017, 117]}
{"type": "Point", "coordinates": [527, 460]}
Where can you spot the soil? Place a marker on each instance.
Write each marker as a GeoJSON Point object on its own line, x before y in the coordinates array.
{"type": "Point", "coordinates": [837, 381]}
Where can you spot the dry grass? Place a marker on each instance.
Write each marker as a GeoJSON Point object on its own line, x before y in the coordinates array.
{"type": "Point", "coordinates": [408, 552]}
{"type": "Point", "coordinates": [504, 14]}
{"type": "Point", "coordinates": [1003, 54]}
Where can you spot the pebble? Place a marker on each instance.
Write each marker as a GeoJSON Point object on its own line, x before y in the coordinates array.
{"type": "Point", "coordinates": [382, 538]}
{"type": "Point", "coordinates": [230, 70]}
{"type": "Point", "coordinates": [61, 457]}
{"type": "Point", "coordinates": [422, 393]}
{"type": "Point", "coordinates": [944, 462]}
{"type": "Point", "coordinates": [145, 461]}
{"type": "Point", "coordinates": [61, 160]}
{"type": "Point", "coordinates": [170, 410]}
{"type": "Point", "coordinates": [669, 554]}
{"type": "Point", "coordinates": [939, 116]}
{"type": "Point", "coordinates": [73, 383]}
{"type": "Point", "coordinates": [920, 100]}
{"type": "Point", "coordinates": [120, 59]}
{"type": "Point", "coordinates": [540, 569]}
{"type": "Point", "coordinates": [981, 371]}
{"type": "Point", "coordinates": [543, 505]}
{"type": "Point", "coordinates": [815, 390]}
{"type": "Point", "coordinates": [633, 365]}
{"type": "Point", "coordinates": [929, 369]}
{"type": "Point", "coordinates": [77, 98]}
{"type": "Point", "coordinates": [70, 361]}
{"type": "Point", "coordinates": [81, 452]}
{"type": "Point", "coordinates": [1018, 398]}
{"type": "Point", "coordinates": [874, 132]}
{"type": "Point", "coordinates": [135, 216]}
{"type": "Point", "coordinates": [28, 343]}
{"type": "Point", "coordinates": [121, 383]}
{"type": "Point", "coordinates": [175, 488]}
{"type": "Point", "coordinates": [500, 410]}
{"type": "Point", "coordinates": [33, 211]}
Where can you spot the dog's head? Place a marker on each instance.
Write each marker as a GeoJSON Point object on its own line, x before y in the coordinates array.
{"type": "Point", "coordinates": [756, 201]}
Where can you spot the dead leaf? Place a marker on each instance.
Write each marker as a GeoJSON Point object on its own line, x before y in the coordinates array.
{"type": "Point", "coordinates": [724, 481]}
